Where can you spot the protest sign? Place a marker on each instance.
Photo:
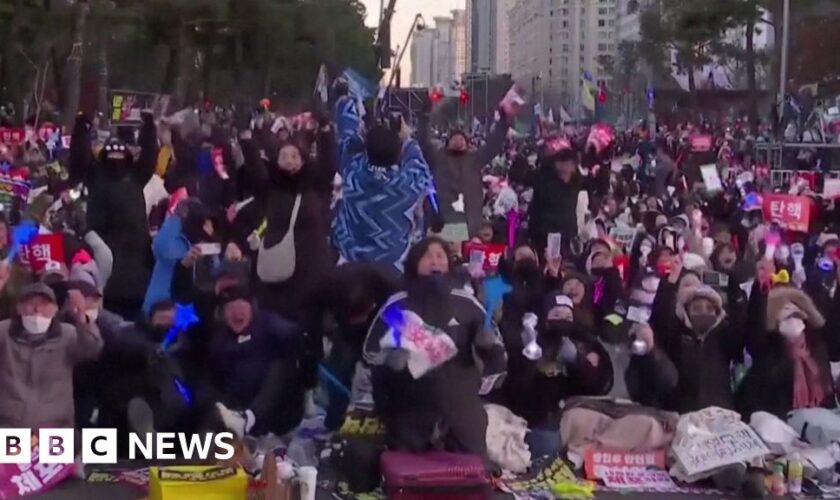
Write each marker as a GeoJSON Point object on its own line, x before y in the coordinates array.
{"type": "Point", "coordinates": [17, 480]}
{"type": "Point", "coordinates": [622, 478]}
{"type": "Point", "coordinates": [595, 460]}
{"type": "Point", "coordinates": [711, 178]}
{"type": "Point", "coordinates": [428, 347]}
{"type": "Point", "coordinates": [12, 136]}
{"type": "Point", "coordinates": [492, 253]}
{"type": "Point", "coordinates": [706, 451]}
{"type": "Point", "coordinates": [127, 106]}
{"type": "Point", "coordinates": [700, 143]}
{"type": "Point", "coordinates": [831, 189]}
{"type": "Point", "coordinates": [791, 212]}
{"type": "Point", "coordinates": [600, 136]}
{"type": "Point", "coordinates": [14, 193]}
{"type": "Point", "coordinates": [43, 249]}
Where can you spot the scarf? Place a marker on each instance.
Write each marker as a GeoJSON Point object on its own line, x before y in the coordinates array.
{"type": "Point", "coordinates": [808, 388]}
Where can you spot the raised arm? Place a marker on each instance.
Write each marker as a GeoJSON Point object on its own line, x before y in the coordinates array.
{"type": "Point", "coordinates": [495, 141]}
{"type": "Point", "coordinates": [145, 167]}
{"type": "Point", "coordinates": [80, 162]}
{"type": "Point", "coordinates": [350, 142]}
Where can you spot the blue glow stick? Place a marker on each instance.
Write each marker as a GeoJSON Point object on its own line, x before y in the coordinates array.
{"type": "Point", "coordinates": [393, 317]}
{"type": "Point", "coordinates": [432, 191]}
{"type": "Point", "coordinates": [22, 234]}
{"type": "Point", "coordinates": [332, 379]}
{"type": "Point", "coordinates": [185, 317]}
{"type": "Point", "coordinates": [183, 390]}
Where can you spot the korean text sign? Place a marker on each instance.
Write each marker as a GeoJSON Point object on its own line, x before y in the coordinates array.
{"type": "Point", "coordinates": [43, 249]}
{"type": "Point", "coordinates": [492, 253]}
{"type": "Point", "coordinates": [792, 212]}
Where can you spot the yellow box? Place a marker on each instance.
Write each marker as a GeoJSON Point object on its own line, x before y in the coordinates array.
{"type": "Point", "coordinates": [197, 483]}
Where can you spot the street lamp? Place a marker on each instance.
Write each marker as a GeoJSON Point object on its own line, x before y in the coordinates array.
{"type": "Point", "coordinates": [419, 24]}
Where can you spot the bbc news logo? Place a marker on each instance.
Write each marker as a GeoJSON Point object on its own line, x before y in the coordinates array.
{"type": "Point", "coordinates": [99, 446]}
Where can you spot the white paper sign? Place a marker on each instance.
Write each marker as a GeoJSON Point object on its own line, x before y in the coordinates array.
{"type": "Point", "coordinates": [707, 451]}
{"type": "Point", "coordinates": [711, 178]}
{"type": "Point", "coordinates": [831, 188]}
{"type": "Point", "coordinates": [636, 478]}
{"type": "Point", "coordinates": [554, 245]}
{"type": "Point", "coordinates": [428, 347]}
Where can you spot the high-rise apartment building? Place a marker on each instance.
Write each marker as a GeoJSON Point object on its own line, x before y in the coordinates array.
{"type": "Point", "coordinates": [422, 58]}
{"type": "Point", "coordinates": [554, 43]}
{"type": "Point", "coordinates": [502, 65]}
{"type": "Point", "coordinates": [482, 18]}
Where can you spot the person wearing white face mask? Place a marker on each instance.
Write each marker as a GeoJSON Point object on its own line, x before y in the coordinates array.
{"type": "Point", "coordinates": [791, 359]}
{"type": "Point", "coordinates": [40, 353]}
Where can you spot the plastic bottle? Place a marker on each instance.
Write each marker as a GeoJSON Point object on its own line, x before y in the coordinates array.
{"type": "Point", "coordinates": [795, 473]}
{"type": "Point", "coordinates": [777, 482]}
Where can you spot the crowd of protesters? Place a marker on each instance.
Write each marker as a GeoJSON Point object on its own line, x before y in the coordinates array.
{"type": "Point", "coordinates": [215, 267]}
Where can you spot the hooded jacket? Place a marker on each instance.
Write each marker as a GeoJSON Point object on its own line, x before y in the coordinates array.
{"type": "Point", "coordinates": [768, 385]}
{"type": "Point", "coordinates": [116, 208]}
{"type": "Point", "coordinates": [702, 361]}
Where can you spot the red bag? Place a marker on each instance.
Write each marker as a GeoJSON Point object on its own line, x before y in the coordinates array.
{"type": "Point", "coordinates": [434, 476]}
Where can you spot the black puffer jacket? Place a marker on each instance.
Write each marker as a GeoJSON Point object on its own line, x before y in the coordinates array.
{"type": "Point", "coordinates": [117, 209]}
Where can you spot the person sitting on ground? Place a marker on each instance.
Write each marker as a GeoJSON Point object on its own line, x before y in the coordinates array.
{"type": "Point", "coordinates": [39, 353]}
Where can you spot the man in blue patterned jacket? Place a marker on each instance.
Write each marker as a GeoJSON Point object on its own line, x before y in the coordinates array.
{"type": "Point", "coordinates": [384, 180]}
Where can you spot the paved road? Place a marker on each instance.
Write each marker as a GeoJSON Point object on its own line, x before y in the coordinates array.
{"type": "Point", "coordinates": [79, 490]}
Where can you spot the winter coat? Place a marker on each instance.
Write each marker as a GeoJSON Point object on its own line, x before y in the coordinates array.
{"type": "Point", "coordinates": [462, 175]}
{"type": "Point", "coordinates": [169, 247]}
{"type": "Point", "coordinates": [375, 222]}
{"type": "Point", "coordinates": [768, 385]}
{"type": "Point", "coordinates": [703, 362]}
{"type": "Point", "coordinates": [36, 373]}
{"type": "Point", "coordinates": [554, 208]}
{"type": "Point", "coordinates": [256, 370]}
{"type": "Point", "coordinates": [275, 199]}
{"type": "Point", "coordinates": [412, 408]}
{"type": "Point", "coordinates": [116, 209]}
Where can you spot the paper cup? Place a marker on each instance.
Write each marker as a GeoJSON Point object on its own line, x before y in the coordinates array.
{"type": "Point", "coordinates": [307, 476]}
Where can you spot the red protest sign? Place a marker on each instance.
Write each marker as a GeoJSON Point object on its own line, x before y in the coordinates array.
{"type": "Point", "coordinates": [12, 136]}
{"type": "Point", "coordinates": [18, 480]}
{"type": "Point", "coordinates": [700, 143]}
{"type": "Point", "coordinates": [492, 253]}
{"type": "Point", "coordinates": [43, 249]}
{"type": "Point", "coordinates": [791, 212]}
{"type": "Point", "coordinates": [596, 460]}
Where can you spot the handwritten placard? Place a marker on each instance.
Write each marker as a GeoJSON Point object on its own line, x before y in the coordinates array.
{"type": "Point", "coordinates": [737, 442]}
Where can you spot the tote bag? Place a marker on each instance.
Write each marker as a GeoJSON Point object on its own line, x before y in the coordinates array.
{"type": "Point", "coordinates": [277, 264]}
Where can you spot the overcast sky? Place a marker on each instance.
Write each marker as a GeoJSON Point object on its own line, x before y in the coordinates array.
{"type": "Point", "coordinates": [405, 12]}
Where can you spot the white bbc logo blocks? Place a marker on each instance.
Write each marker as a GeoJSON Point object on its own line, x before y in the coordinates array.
{"type": "Point", "coordinates": [99, 446]}
{"type": "Point", "coordinates": [56, 446]}
{"type": "Point", "coordinates": [15, 446]}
